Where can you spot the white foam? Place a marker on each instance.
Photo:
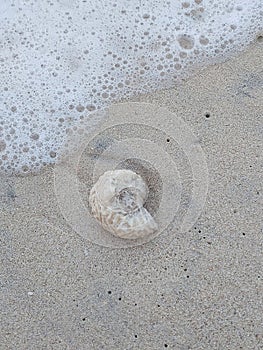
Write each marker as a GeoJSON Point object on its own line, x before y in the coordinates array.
{"type": "Point", "coordinates": [62, 59]}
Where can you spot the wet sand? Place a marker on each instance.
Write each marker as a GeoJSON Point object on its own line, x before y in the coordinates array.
{"type": "Point", "coordinates": [201, 290]}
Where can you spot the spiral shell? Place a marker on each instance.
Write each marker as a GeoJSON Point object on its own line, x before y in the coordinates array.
{"type": "Point", "coordinates": [117, 200]}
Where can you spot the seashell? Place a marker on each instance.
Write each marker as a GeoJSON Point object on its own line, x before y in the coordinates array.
{"type": "Point", "coordinates": [117, 200]}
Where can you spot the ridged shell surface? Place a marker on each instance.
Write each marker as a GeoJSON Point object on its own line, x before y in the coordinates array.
{"type": "Point", "coordinates": [117, 200]}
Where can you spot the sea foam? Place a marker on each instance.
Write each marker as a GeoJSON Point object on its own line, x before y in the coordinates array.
{"type": "Point", "coordinates": [62, 60]}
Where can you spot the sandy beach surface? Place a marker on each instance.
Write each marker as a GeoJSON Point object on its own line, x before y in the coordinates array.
{"type": "Point", "coordinates": [203, 289]}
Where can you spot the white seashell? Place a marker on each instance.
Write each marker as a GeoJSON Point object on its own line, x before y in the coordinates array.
{"type": "Point", "coordinates": [117, 200]}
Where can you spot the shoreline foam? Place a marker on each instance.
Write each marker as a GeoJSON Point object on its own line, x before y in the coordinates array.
{"type": "Point", "coordinates": [61, 61]}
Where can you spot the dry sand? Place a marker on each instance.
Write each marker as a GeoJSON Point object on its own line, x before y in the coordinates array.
{"type": "Point", "coordinates": [202, 290]}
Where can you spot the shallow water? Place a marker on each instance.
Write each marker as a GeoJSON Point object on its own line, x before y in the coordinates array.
{"type": "Point", "coordinates": [62, 60]}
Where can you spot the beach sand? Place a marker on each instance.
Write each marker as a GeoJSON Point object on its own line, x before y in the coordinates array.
{"type": "Point", "coordinates": [201, 290]}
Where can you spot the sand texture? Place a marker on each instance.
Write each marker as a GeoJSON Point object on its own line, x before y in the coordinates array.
{"type": "Point", "coordinates": [202, 289]}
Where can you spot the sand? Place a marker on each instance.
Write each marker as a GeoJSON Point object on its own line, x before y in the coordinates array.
{"type": "Point", "coordinates": [201, 289]}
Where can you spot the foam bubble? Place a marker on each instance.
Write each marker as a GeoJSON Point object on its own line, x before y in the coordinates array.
{"type": "Point", "coordinates": [61, 61]}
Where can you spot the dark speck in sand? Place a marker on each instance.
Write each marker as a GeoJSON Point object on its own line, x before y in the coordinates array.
{"type": "Point", "coordinates": [99, 146]}
{"type": "Point", "coordinates": [7, 193]}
